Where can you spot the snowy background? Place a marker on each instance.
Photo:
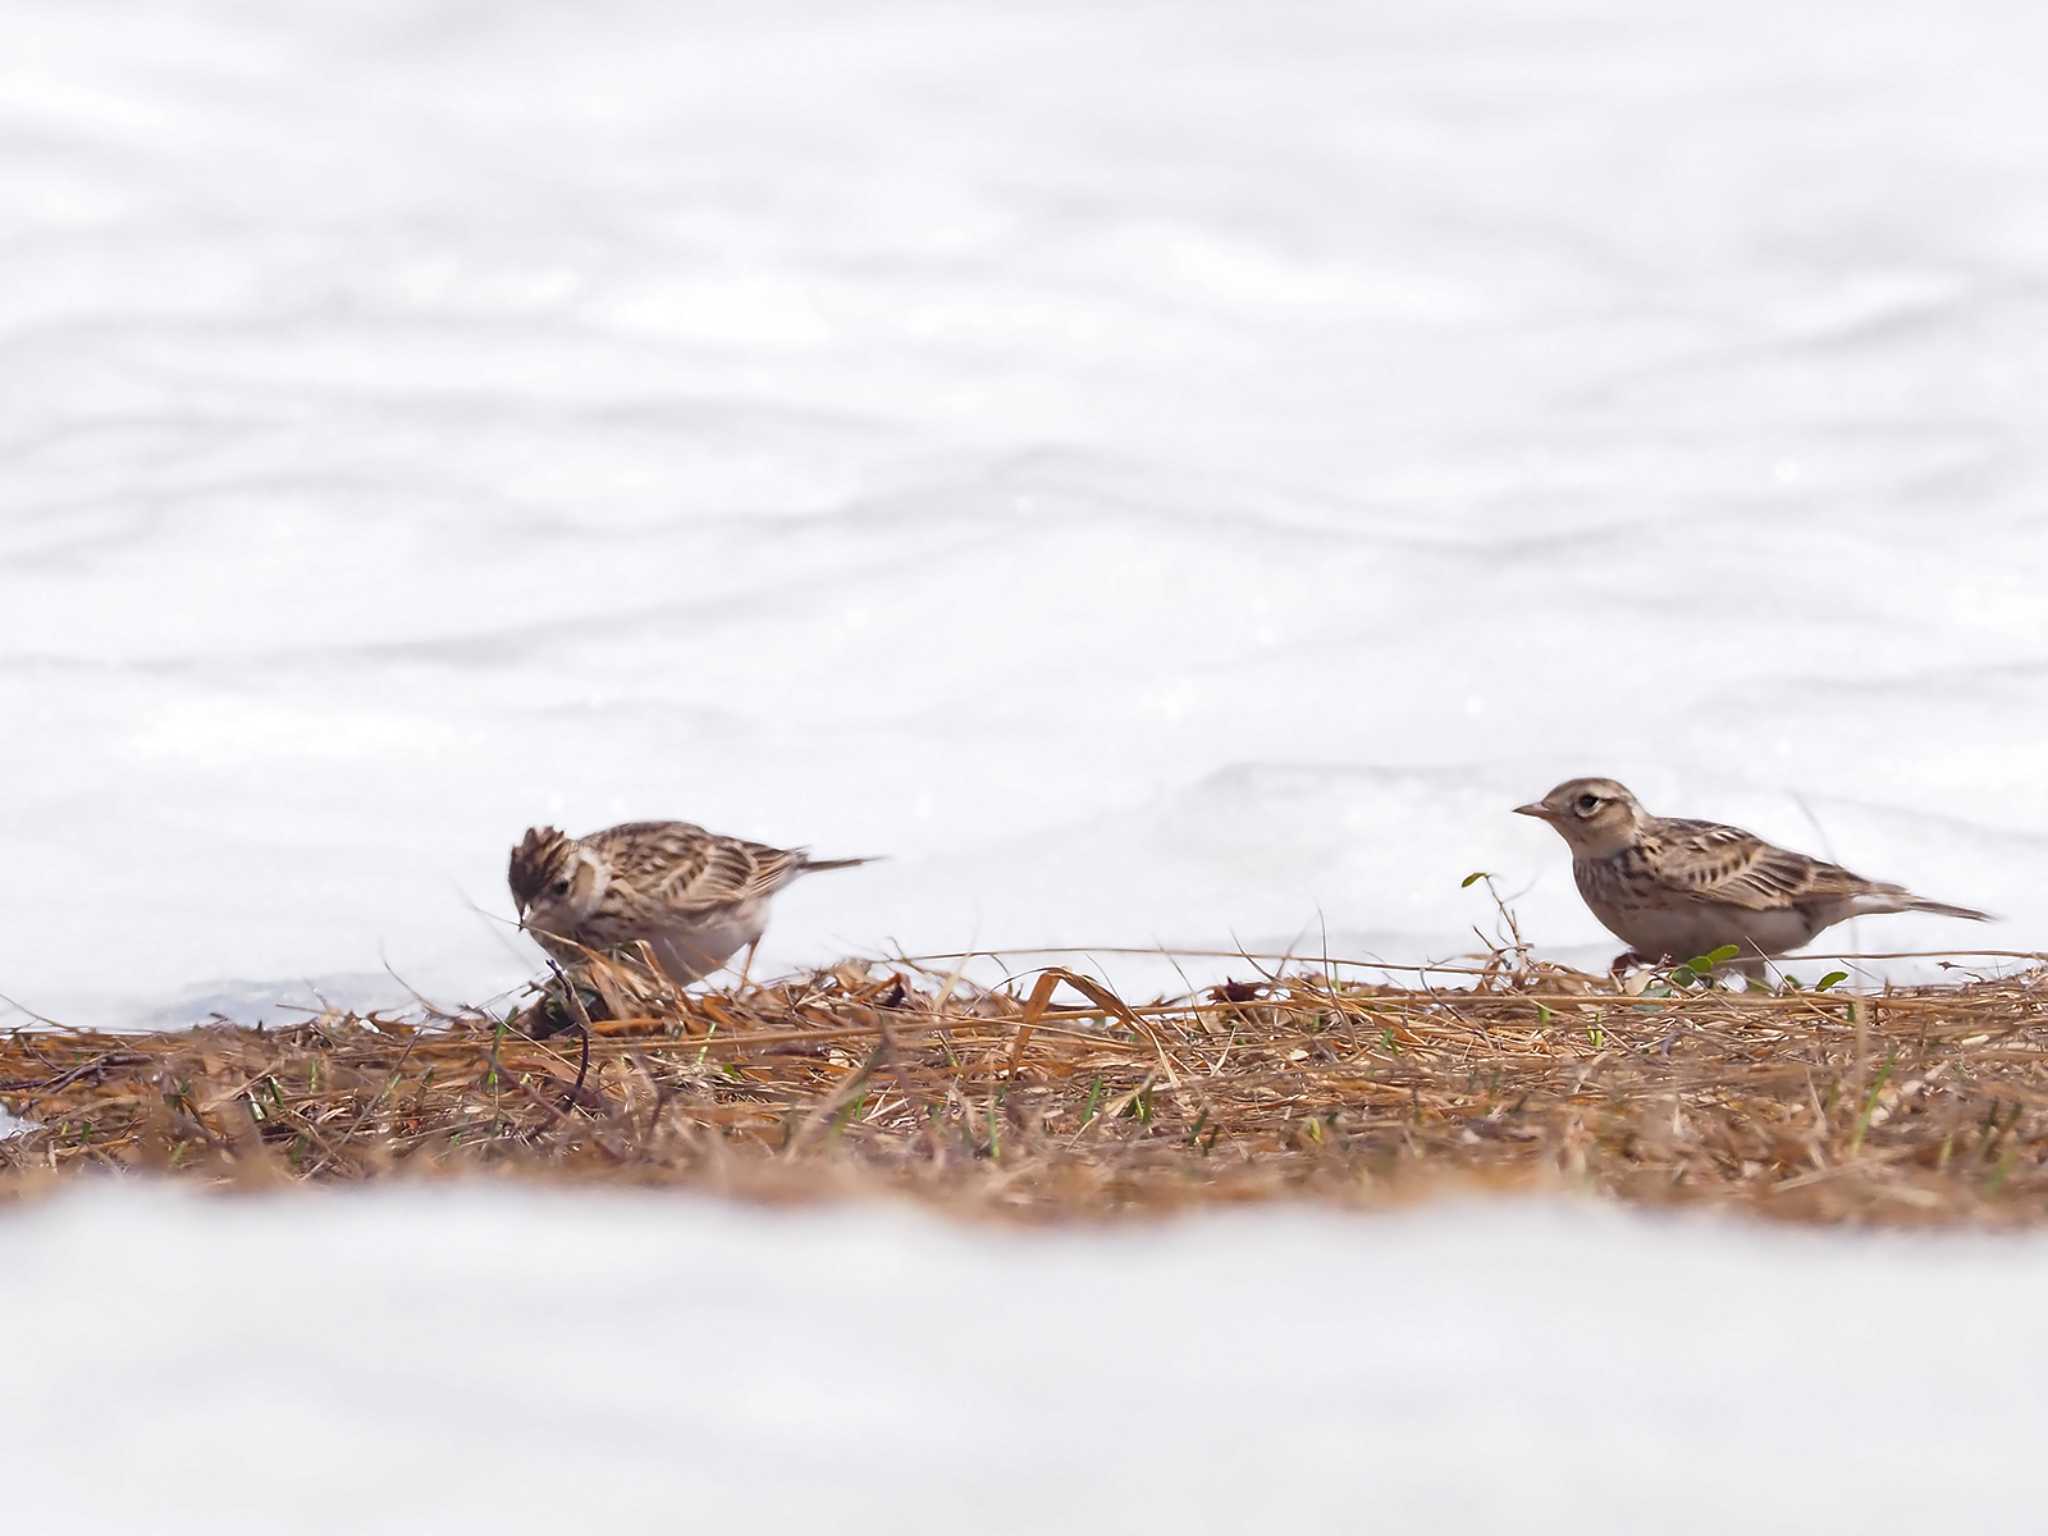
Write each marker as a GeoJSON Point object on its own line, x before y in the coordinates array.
{"type": "Point", "coordinates": [1164, 474]}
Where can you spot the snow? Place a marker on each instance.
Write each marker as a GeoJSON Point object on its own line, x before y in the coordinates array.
{"type": "Point", "coordinates": [1163, 475]}
{"type": "Point", "coordinates": [491, 1361]}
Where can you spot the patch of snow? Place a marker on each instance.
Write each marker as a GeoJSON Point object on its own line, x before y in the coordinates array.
{"type": "Point", "coordinates": [1159, 474]}
{"type": "Point", "coordinates": [489, 1360]}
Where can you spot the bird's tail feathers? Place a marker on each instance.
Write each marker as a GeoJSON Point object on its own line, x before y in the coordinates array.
{"type": "Point", "coordinates": [1897, 899]}
{"type": "Point", "coordinates": [1943, 909]}
{"type": "Point", "coordinates": [812, 866]}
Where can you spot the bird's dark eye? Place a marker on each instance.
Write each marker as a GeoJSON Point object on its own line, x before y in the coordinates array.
{"type": "Point", "coordinates": [559, 888]}
{"type": "Point", "coordinates": [1588, 804]}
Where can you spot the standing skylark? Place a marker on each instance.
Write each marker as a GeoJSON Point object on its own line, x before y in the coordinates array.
{"type": "Point", "coordinates": [693, 897]}
{"type": "Point", "coordinates": [1672, 890]}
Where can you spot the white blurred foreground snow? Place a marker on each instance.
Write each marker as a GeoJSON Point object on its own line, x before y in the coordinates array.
{"type": "Point", "coordinates": [501, 1361]}
{"type": "Point", "coordinates": [1161, 473]}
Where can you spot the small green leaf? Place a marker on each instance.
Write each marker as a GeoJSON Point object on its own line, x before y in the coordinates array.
{"type": "Point", "coordinates": [1472, 879]}
{"type": "Point", "coordinates": [2003, 1171]}
{"type": "Point", "coordinates": [1832, 979]}
{"type": "Point", "coordinates": [1724, 954]}
{"type": "Point", "coordinates": [1094, 1098]}
{"type": "Point", "coordinates": [848, 1113]}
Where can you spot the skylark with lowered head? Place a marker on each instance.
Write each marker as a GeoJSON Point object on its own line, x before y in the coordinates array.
{"type": "Point", "coordinates": [1673, 889]}
{"type": "Point", "coordinates": [693, 897]}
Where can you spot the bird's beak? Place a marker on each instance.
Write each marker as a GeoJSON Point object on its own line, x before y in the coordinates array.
{"type": "Point", "coordinates": [1537, 809]}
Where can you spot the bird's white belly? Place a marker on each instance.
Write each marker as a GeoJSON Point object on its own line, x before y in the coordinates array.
{"type": "Point", "coordinates": [689, 951]}
{"type": "Point", "coordinates": [1684, 932]}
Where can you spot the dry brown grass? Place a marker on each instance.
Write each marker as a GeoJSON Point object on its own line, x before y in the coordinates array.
{"type": "Point", "coordinates": [1056, 1098]}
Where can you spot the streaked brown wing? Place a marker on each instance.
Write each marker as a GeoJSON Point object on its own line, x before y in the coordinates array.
{"type": "Point", "coordinates": [691, 870]}
{"type": "Point", "coordinates": [655, 857]}
{"type": "Point", "coordinates": [1711, 862]}
{"type": "Point", "coordinates": [735, 870]}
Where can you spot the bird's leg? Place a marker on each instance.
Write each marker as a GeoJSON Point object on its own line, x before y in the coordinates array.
{"type": "Point", "coordinates": [582, 1023]}
{"type": "Point", "coordinates": [747, 965]}
{"type": "Point", "coordinates": [582, 1065]}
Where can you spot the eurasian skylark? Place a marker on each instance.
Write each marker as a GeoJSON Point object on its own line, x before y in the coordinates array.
{"type": "Point", "coordinates": [1673, 890]}
{"type": "Point", "coordinates": [693, 897]}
